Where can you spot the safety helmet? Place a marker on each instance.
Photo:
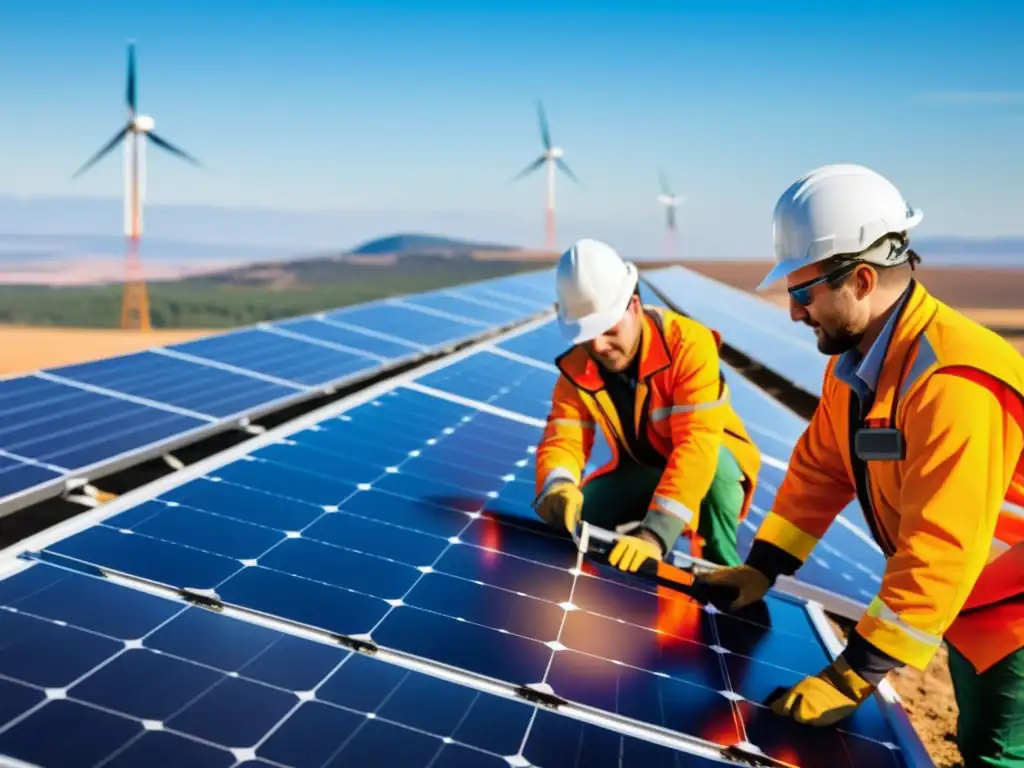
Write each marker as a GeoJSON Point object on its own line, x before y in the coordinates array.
{"type": "Point", "coordinates": [594, 286]}
{"type": "Point", "coordinates": [836, 209]}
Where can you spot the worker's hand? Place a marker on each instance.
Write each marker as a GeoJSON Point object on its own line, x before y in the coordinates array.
{"type": "Point", "coordinates": [825, 699]}
{"type": "Point", "coordinates": [750, 584]}
{"type": "Point", "coordinates": [562, 505]}
{"type": "Point", "coordinates": [630, 552]}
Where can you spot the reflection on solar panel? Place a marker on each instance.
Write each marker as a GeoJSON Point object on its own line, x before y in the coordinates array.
{"type": "Point", "coordinates": [761, 331]}
{"type": "Point", "coordinates": [79, 420]}
{"type": "Point", "coordinates": [396, 523]}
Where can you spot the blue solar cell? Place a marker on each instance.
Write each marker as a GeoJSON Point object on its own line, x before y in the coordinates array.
{"type": "Point", "coordinates": [222, 692]}
{"type": "Point", "coordinates": [17, 476]}
{"type": "Point", "coordinates": [500, 381]}
{"type": "Point", "coordinates": [325, 330]}
{"type": "Point", "coordinates": [510, 295]}
{"type": "Point", "coordinates": [544, 343]}
{"type": "Point", "coordinates": [404, 322]}
{"type": "Point", "coordinates": [761, 331]}
{"type": "Point", "coordinates": [181, 383]}
{"type": "Point", "coordinates": [283, 357]}
{"type": "Point", "coordinates": [455, 303]}
{"type": "Point", "coordinates": [70, 428]}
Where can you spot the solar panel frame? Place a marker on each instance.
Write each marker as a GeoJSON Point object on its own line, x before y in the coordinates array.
{"type": "Point", "coordinates": [582, 712]}
{"type": "Point", "coordinates": [67, 479]}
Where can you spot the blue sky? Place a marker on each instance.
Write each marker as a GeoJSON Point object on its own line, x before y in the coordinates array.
{"type": "Point", "coordinates": [420, 113]}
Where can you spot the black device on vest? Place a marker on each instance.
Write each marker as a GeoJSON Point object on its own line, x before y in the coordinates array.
{"type": "Point", "coordinates": [884, 443]}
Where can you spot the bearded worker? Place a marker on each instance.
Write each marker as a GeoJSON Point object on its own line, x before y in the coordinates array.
{"type": "Point", "coordinates": [682, 462]}
{"type": "Point", "coordinates": [921, 419]}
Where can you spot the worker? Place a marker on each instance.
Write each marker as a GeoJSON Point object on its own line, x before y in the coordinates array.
{"type": "Point", "coordinates": [681, 459]}
{"type": "Point", "coordinates": [920, 420]}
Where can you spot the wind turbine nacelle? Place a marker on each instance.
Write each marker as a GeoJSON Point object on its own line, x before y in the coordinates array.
{"type": "Point", "coordinates": [144, 123]}
{"type": "Point", "coordinates": [666, 200]}
{"type": "Point", "coordinates": [556, 152]}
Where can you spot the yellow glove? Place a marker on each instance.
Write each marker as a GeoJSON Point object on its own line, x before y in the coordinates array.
{"type": "Point", "coordinates": [630, 552]}
{"type": "Point", "coordinates": [826, 698]}
{"type": "Point", "coordinates": [563, 503]}
{"type": "Point", "coordinates": [750, 583]}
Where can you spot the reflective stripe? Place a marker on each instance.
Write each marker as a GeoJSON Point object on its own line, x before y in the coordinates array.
{"type": "Point", "coordinates": [672, 507]}
{"type": "Point", "coordinates": [573, 423]}
{"type": "Point", "coordinates": [879, 610]}
{"type": "Point", "coordinates": [556, 475]}
{"type": "Point", "coordinates": [663, 413]}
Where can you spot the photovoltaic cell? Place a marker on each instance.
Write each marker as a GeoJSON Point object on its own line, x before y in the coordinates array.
{"type": "Point", "coordinates": [283, 357]}
{"type": "Point", "coordinates": [406, 520]}
{"type": "Point", "coordinates": [759, 330]}
{"type": "Point", "coordinates": [181, 383]}
{"type": "Point", "coordinates": [220, 692]}
{"type": "Point", "coordinates": [69, 428]}
{"type": "Point", "coordinates": [324, 330]}
{"type": "Point", "coordinates": [406, 322]}
{"type": "Point", "coordinates": [455, 302]}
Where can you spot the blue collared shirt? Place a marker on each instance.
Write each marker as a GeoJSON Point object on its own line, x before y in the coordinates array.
{"type": "Point", "coordinates": [861, 372]}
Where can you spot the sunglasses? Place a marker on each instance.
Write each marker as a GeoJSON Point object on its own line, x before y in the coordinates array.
{"type": "Point", "coordinates": [802, 293]}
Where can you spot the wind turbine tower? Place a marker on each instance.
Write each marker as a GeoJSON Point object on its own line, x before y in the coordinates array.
{"type": "Point", "coordinates": [671, 202]}
{"type": "Point", "coordinates": [551, 157]}
{"type": "Point", "coordinates": [139, 128]}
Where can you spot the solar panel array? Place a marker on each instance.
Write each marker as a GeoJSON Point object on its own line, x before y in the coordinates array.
{"type": "Point", "coordinates": [751, 325]}
{"type": "Point", "coordinates": [80, 420]}
{"type": "Point", "coordinates": [382, 594]}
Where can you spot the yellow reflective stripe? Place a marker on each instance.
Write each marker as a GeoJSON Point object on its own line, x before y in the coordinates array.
{"type": "Point", "coordinates": [672, 507]}
{"type": "Point", "coordinates": [659, 414]}
{"type": "Point", "coordinates": [783, 534]}
{"type": "Point", "coordinates": [573, 423]}
{"type": "Point", "coordinates": [883, 628]}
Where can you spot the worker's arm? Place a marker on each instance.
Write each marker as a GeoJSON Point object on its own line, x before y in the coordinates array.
{"type": "Point", "coordinates": [696, 420]}
{"type": "Point", "coordinates": [567, 441]}
{"type": "Point", "coordinates": [962, 448]}
{"type": "Point", "coordinates": [816, 487]}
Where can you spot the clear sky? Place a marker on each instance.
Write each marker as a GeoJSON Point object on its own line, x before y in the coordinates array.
{"type": "Point", "coordinates": [429, 108]}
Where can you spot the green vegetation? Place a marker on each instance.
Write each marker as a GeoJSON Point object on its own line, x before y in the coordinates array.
{"type": "Point", "coordinates": [247, 295]}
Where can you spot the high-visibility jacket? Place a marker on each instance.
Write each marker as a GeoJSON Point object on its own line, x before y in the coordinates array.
{"type": "Point", "coordinates": [681, 409]}
{"type": "Point", "coordinates": [955, 553]}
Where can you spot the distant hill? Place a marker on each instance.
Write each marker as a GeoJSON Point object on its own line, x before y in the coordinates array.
{"type": "Point", "coordinates": [421, 244]}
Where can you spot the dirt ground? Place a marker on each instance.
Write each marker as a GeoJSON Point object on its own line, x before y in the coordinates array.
{"type": "Point", "coordinates": [27, 349]}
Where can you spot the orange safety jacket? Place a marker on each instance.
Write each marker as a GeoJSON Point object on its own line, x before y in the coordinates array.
{"type": "Point", "coordinates": [681, 410]}
{"type": "Point", "coordinates": [955, 551]}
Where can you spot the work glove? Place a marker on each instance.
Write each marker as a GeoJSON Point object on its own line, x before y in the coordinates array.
{"type": "Point", "coordinates": [562, 505]}
{"type": "Point", "coordinates": [826, 698]}
{"type": "Point", "coordinates": [630, 552]}
{"type": "Point", "coordinates": [749, 583]}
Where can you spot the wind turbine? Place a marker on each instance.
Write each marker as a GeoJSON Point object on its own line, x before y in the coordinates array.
{"type": "Point", "coordinates": [671, 202]}
{"type": "Point", "coordinates": [135, 304]}
{"type": "Point", "coordinates": [551, 157]}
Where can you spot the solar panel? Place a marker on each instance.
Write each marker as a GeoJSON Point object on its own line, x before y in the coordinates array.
{"type": "Point", "coordinates": [80, 420]}
{"type": "Point", "coordinates": [758, 329]}
{"type": "Point", "coordinates": [398, 523]}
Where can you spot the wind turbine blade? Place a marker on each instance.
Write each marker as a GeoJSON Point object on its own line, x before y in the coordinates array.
{"type": "Point", "coordinates": [530, 168]}
{"type": "Point", "coordinates": [103, 151]}
{"type": "Point", "coordinates": [664, 184]}
{"type": "Point", "coordinates": [545, 134]}
{"type": "Point", "coordinates": [130, 96]}
{"type": "Point", "coordinates": [567, 170]}
{"type": "Point", "coordinates": [167, 146]}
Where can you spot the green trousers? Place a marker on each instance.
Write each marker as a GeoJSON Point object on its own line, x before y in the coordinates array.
{"type": "Point", "coordinates": [624, 495]}
{"type": "Point", "coordinates": [990, 729]}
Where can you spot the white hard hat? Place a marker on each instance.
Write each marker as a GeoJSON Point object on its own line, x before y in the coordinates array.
{"type": "Point", "coordinates": [835, 209]}
{"type": "Point", "coordinates": [594, 286]}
